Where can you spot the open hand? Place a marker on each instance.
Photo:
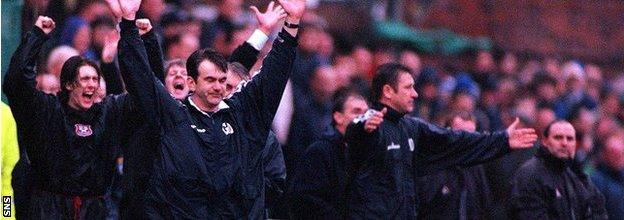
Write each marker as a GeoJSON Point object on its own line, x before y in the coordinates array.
{"type": "Point", "coordinates": [520, 137]}
{"type": "Point", "coordinates": [129, 8]}
{"type": "Point", "coordinates": [270, 18]}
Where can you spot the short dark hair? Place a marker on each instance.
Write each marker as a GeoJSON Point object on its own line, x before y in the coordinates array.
{"type": "Point", "coordinates": [547, 129]}
{"type": "Point", "coordinates": [192, 64]}
{"type": "Point", "coordinates": [341, 96]}
{"type": "Point", "coordinates": [240, 70]}
{"type": "Point", "coordinates": [174, 62]}
{"type": "Point", "coordinates": [386, 74]}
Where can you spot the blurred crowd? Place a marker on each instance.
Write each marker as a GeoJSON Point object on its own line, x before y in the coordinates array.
{"type": "Point", "coordinates": [495, 85]}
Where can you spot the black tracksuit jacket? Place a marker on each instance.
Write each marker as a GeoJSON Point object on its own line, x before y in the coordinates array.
{"type": "Point", "coordinates": [546, 187]}
{"type": "Point", "coordinates": [208, 165]}
{"type": "Point", "coordinates": [320, 181]}
{"type": "Point", "coordinates": [387, 161]}
{"type": "Point", "coordinates": [72, 153]}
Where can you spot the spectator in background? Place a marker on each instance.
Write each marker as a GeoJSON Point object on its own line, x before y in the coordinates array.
{"type": "Point", "coordinates": [101, 28]}
{"type": "Point", "coordinates": [609, 176]}
{"type": "Point", "coordinates": [551, 185]}
{"type": "Point", "coordinates": [429, 104]}
{"type": "Point", "coordinates": [48, 83]}
{"type": "Point", "coordinates": [311, 114]}
{"type": "Point", "coordinates": [77, 32]}
{"type": "Point", "coordinates": [574, 96]}
{"type": "Point", "coordinates": [181, 46]}
{"type": "Point", "coordinates": [319, 183]}
{"type": "Point", "coordinates": [456, 193]}
{"type": "Point", "coordinates": [57, 57]}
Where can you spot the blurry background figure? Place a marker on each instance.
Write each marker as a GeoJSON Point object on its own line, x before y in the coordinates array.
{"type": "Point", "coordinates": [465, 190]}
{"type": "Point", "coordinates": [609, 176]}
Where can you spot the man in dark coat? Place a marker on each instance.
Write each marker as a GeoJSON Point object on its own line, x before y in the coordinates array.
{"type": "Point", "coordinates": [320, 180]}
{"type": "Point", "coordinates": [208, 163]}
{"type": "Point", "coordinates": [458, 192]}
{"type": "Point", "coordinates": [73, 141]}
{"type": "Point", "coordinates": [388, 151]}
{"type": "Point", "coordinates": [551, 185]}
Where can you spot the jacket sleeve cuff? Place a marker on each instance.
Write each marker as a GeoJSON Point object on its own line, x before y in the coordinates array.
{"type": "Point", "coordinates": [128, 28]}
{"type": "Point", "coordinates": [37, 32]}
{"type": "Point", "coordinates": [258, 39]}
{"type": "Point", "coordinates": [288, 39]}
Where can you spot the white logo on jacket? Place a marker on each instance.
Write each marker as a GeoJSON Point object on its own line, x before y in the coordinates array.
{"type": "Point", "coordinates": [410, 142]}
{"type": "Point", "coordinates": [200, 130]}
{"type": "Point", "coordinates": [83, 130]}
{"type": "Point", "coordinates": [227, 128]}
{"type": "Point", "coordinates": [393, 146]}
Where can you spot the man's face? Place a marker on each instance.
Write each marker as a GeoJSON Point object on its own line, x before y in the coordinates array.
{"type": "Point", "coordinates": [402, 98]}
{"type": "Point", "coordinates": [83, 92]}
{"type": "Point", "coordinates": [232, 83]}
{"type": "Point", "coordinates": [353, 107]}
{"type": "Point", "coordinates": [210, 84]}
{"type": "Point", "coordinates": [176, 82]}
{"type": "Point", "coordinates": [48, 84]}
{"type": "Point", "coordinates": [561, 141]}
{"type": "Point", "coordinates": [459, 123]}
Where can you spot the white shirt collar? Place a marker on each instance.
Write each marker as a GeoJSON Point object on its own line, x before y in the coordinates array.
{"type": "Point", "coordinates": [222, 105]}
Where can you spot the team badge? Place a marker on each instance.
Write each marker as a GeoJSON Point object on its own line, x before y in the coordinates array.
{"type": "Point", "coordinates": [227, 128]}
{"type": "Point", "coordinates": [83, 130]}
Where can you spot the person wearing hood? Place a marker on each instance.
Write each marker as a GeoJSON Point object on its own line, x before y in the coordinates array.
{"type": "Point", "coordinates": [551, 185]}
{"type": "Point", "coordinates": [320, 180]}
{"type": "Point", "coordinates": [389, 150]}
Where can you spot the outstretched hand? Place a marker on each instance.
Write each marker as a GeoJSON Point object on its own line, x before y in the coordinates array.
{"type": "Point", "coordinates": [270, 18]}
{"type": "Point", "coordinates": [520, 137]}
{"type": "Point", "coordinates": [46, 24]}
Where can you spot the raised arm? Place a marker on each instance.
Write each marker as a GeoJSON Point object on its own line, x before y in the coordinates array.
{"type": "Point", "coordinates": [262, 95]}
{"type": "Point", "coordinates": [140, 82]}
{"type": "Point", "coordinates": [152, 46]}
{"type": "Point", "coordinates": [440, 148]}
{"type": "Point", "coordinates": [19, 83]}
{"type": "Point", "coordinates": [247, 53]}
{"type": "Point", "coordinates": [110, 66]}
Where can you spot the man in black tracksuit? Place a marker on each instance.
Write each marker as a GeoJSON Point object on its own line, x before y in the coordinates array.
{"type": "Point", "coordinates": [73, 141]}
{"type": "Point", "coordinates": [208, 163]}
{"type": "Point", "coordinates": [551, 185]}
{"type": "Point", "coordinates": [388, 151]}
{"type": "Point", "coordinates": [320, 181]}
{"type": "Point", "coordinates": [137, 142]}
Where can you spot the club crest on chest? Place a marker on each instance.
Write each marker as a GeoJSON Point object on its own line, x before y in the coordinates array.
{"type": "Point", "coordinates": [83, 130]}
